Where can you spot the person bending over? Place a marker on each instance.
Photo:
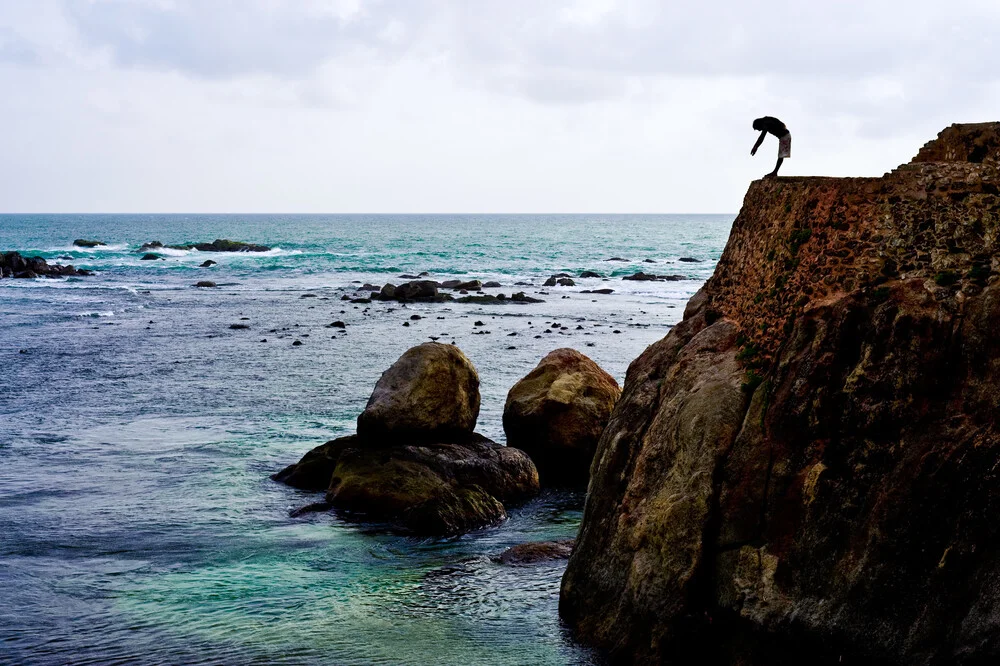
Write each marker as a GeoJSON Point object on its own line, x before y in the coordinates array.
{"type": "Point", "coordinates": [766, 125]}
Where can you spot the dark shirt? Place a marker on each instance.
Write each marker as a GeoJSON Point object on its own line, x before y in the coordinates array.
{"type": "Point", "coordinates": [772, 126]}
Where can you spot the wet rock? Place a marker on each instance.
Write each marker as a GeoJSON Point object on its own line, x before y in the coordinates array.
{"type": "Point", "coordinates": [336, 324]}
{"type": "Point", "coordinates": [690, 260]}
{"type": "Point", "coordinates": [205, 284]}
{"type": "Point", "coordinates": [590, 274]}
{"type": "Point", "coordinates": [150, 257]}
{"type": "Point", "coordinates": [557, 413]}
{"type": "Point", "coordinates": [598, 291]}
{"type": "Point", "coordinates": [83, 242]}
{"type": "Point", "coordinates": [208, 263]}
{"type": "Point", "coordinates": [565, 282]}
{"type": "Point", "coordinates": [539, 551]}
{"type": "Point", "coordinates": [648, 261]}
{"type": "Point", "coordinates": [616, 259]}
{"type": "Point", "coordinates": [238, 327]}
{"type": "Point", "coordinates": [297, 343]}
{"type": "Point", "coordinates": [491, 285]}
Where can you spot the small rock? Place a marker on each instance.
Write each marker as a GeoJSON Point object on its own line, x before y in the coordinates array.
{"type": "Point", "coordinates": [150, 257]}
{"type": "Point", "coordinates": [206, 283]}
{"type": "Point", "coordinates": [297, 343]}
{"type": "Point", "coordinates": [83, 242]}
{"type": "Point", "coordinates": [207, 263]}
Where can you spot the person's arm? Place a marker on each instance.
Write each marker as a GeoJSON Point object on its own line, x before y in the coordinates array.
{"type": "Point", "coordinates": [763, 133]}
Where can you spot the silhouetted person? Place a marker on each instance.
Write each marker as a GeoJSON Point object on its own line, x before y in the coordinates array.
{"type": "Point", "coordinates": [766, 125]}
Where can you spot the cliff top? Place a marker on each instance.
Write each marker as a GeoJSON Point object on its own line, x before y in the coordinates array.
{"type": "Point", "coordinates": [805, 241]}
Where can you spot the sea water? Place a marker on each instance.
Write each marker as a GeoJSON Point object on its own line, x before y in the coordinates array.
{"type": "Point", "coordinates": [138, 523]}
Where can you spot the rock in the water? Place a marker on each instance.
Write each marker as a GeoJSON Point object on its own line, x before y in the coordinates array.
{"type": "Point", "coordinates": [557, 413]}
{"type": "Point", "coordinates": [493, 284]}
{"type": "Point", "coordinates": [207, 263]}
{"type": "Point", "coordinates": [83, 242]}
{"type": "Point", "coordinates": [149, 256]}
{"type": "Point", "coordinates": [432, 391]}
{"type": "Point", "coordinates": [537, 551]}
{"type": "Point", "coordinates": [419, 290]}
{"type": "Point", "coordinates": [649, 277]}
{"type": "Point", "coordinates": [432, 488]}
{"type": "Point", "coordinates": [12, 264]}
{"type": "Point", "coordinates": [205, 284]}
{"type": "Point", "coordinates": [590, 274]}
{"type": "Point", "coordinates": [218, 245]}
{"type": "Point", "coordinates": [806, 468]}
{"type": "Point", "coordinates": [690, 260]}
{"type": "Point", "coordinates": [617, 259]}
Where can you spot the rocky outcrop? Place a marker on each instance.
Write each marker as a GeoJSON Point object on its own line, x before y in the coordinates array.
{"type": "Point", "coordinates": [556, 414]}
{"type": "Point", "coordinates": [416, 462]}
{"type": "Point", "coordinates": [805, 468]}
{"type": "Point", "coordinates": [83, 242]}
{"type": "Point", "coordinates": [12, 264]}
{"type": "Point", "coordinates": [650, 277]}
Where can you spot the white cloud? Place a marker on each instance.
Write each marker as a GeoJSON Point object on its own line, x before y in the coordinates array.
{"type": "Point", "coordinates": [445, 105]}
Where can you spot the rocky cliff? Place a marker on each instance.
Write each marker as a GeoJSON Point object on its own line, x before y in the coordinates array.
{"type": "Point", "coordinates": [808, 465]}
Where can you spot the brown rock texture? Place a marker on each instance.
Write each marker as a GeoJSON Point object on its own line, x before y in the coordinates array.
{"type": "Point", "coordinates": [557, 412]}
{"type": "Point", "coordinates": [806, 468]}
{"type": "Point", "coordinates": [12, 264]}
{"type": "Point", "coordinates": [431, 391]}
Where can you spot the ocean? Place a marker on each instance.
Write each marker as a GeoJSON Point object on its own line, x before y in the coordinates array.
{"type": "Point", "coordinates": [138, 523]}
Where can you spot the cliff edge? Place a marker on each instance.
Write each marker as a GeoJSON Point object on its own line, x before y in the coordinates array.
{"type": "Point", "coordinates": [808, 465]}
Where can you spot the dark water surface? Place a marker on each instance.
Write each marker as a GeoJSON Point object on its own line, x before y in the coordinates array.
{"type": "Point", "coordinates": [137, 432]}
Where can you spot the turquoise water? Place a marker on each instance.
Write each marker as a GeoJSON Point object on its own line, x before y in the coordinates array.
{"type": "Point", "coordinates": [137, 432]}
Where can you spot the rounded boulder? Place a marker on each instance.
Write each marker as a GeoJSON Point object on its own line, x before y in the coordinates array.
{"type": "Point", "coordinates": [432, 391]}
{"type": "Point", "coordinates": [556, 415]}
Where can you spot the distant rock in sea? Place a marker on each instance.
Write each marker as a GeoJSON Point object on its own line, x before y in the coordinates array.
{"type": "Point", "coordinates": [12, 264]}
{"type": "Point", "coordinates": [83, 242]}
{"type": "Point", "coordinates": [218, 245]}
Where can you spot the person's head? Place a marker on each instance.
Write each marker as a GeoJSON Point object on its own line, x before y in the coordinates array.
{"type": "Point", "coordinates": [758, 124]}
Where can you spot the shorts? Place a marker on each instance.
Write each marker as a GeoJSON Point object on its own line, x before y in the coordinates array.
{"type": "Point", "coordinates": [785, 146]}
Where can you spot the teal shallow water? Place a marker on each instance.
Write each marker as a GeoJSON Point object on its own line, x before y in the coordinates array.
{"type": "Point", "coordinates": [137, 520]}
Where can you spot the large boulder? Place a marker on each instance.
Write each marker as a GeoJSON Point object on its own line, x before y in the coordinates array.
{"type": "Point", "coordinates": [556, 414]}
{"type": "Point", "coordinates": [431, 392]}
{"type": "Point", "coordinates": [12, 264]}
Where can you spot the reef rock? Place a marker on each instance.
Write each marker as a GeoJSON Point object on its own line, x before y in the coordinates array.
{"type": "Point", "coordinates": [537, 551]}
{"type": "Point", "coordinates": [557, 413]}
{"type": "Point", "coordinates": [805, 469]}
{"type": "Point", "coordinates": [83, 242]}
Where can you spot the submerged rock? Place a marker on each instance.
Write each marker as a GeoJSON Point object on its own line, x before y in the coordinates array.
{"type": "Point", "coordinates": [805, 468]}
{"type": "Point", "coordinates": [590, 274]}
{"type": "Point", "coordinates": [150, 257]}
{"type": "Point", "coordinates": [218, 245]}
{"type": "Point", "coordinates": [205, 284]}
{"type": "Point", "coordinates": [208, 263]}
{"type": "Point", "coordinates": [556, 414]}
{"type": "Point", "coordinates": [83, 242]}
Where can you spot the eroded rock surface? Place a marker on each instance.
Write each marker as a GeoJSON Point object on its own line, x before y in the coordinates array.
{"type": "Point", "coordinates": [12, 264]}
{"type": "Point", "coordinates": [805, 468]}
{"type": "Point", "coordinates": [557, 412]}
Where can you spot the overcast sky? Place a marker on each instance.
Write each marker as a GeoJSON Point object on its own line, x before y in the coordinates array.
{"type": "Point", "coordinates": [469, 105]}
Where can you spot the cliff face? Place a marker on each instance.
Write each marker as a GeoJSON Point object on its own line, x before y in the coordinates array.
{"type": "Point", "coordinates": [809, 463]}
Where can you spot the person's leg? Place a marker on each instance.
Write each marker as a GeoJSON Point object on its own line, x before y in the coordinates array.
{"type": "Point", "coordinates": [777, 166]}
